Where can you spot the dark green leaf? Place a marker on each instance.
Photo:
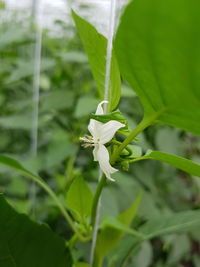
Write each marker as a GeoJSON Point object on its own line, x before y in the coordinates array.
{"type": "Point", "coordinates": [26, 243]}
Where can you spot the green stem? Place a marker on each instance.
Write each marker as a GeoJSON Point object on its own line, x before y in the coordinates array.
{"type": "Point", "coordinates": [146, 121]}
{"type": "Point", "coordinates": [96, 198]}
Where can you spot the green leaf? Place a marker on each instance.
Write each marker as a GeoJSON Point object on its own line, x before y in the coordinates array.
{"type": "Point", "coordinates": [114, 228]}
{"type": "Point", "coordinates": [157, 47]}
{"type": "Point", "coordinates": [27, 243]}
{"type": "Point", "coordinates": [79, 198]}
{"type": "Point", "coordinates": [176, 161]}
{"type": "Point", "coordinates": [168, 224]}
{"type": "Point", "coordinates": [115, 115]}
{"type": "Point", "coordinates": [95, 45]}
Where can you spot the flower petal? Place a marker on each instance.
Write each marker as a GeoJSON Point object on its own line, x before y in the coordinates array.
{"type": "Point", "coordinates": [95, 152]}
{"type": "Point", "coordinates": [99, 110]}
{"type": "Point", "coordinates": [103, 158]}
{"type": "Point", "coordinates": [94, 128]}
{"type": "Point", "coordinates": [108, 130]}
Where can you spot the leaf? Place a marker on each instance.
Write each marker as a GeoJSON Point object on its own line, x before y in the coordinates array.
{"type": "Point", "coordinates": [115, 115]}
{"type": "Point", "coordinates": [176, 161]}
{"type": "Point", "coordinates": [168, 224]}
{"type": "Point", "coordinates": [95, 46]}
{"type": "Point", "coordinates": [27, 243]}
{"type": "Point", "coordinates": [114, 228]}
{"type": "Point", "coordinates": [79, 198]}
{"type": "Point", "coordinates": [157, 47]}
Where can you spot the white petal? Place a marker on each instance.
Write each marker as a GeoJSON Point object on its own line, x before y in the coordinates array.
{"type": "Point", "coordinates": [103, 158]}
{"type": "Point", "coordinates": [108, 130]}
{"type": "Point", "coordinates": [95, 152]}
{"type": "Point", "coordinates": [99, 110]}
{"type": "Point", "coordinates": [94, 128]}
{"type": "Point", "coordinates": [94, 125]}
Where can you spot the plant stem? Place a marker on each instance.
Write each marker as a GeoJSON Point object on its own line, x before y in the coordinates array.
{"type": "Point", "coordinates": [96, 198]}
{"type": "Point", "coordinates": [146, 121]}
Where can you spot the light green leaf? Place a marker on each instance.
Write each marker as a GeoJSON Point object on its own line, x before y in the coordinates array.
{"type": "Point", "coordinates": [176, 161]}
{"type": "Point", "coordinates": [168, 224]}
{"type": "Point", "coordinates": [95, 45]}
{"type": "Point", "coordinates": [79, 198]}
{"type": "Point", "coordinates": [157, 47]}
{"type": "Point", "coordinates": [85, 105]}
{"type": "Point", "coordinates": [44, 247]}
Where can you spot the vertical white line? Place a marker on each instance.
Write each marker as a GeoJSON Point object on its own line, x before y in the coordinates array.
{"type": "Point", "coordinates": [36, 90]}
{"type": "Point", "coordinates": [111, 31]}
{"type": "Point", "coordinates": [106, 96]}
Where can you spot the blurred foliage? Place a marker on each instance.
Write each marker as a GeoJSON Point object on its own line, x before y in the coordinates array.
{"type": "Point", "coordinates": [67, 97]}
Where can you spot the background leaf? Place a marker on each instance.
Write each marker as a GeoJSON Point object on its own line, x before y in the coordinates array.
{"type": "Point", "coordinates": [157, 45]}
{"type": "Point", "coordinates": [179, 222]}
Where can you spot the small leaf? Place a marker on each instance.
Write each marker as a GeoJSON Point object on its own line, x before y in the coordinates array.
{"type": "Point", "coordinates": [95, 45]}
{"type": "Point", "coordinates": [115, 115]}
{"type": "Point", "coordinates": [79, 198]}
{"type": "Point", "coordinates": [44, 247]}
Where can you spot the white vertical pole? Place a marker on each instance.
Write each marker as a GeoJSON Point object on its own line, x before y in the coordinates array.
{"type": "Point", "coordinates": [111, 31]}
{"type": "Point", "coordinates": [36, 86]}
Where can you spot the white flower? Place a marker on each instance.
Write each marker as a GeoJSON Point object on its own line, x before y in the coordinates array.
{"type": "Point", "coordinates": [102, 133]}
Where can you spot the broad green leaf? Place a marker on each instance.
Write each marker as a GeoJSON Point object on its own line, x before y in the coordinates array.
{"type": "Point", "coordinates": [157, 47]}
{"type": "Point", "coordinates": [27, 243]}
{"type": "Point", "coordinates": [168, 224]}
{"type": "Point", "coordinates": [95, 45]}
{"type": "Point", "coordinates": [176, 161]}
{"type": "Point", "coordinates": [114, 228]}
{"type": "Point", "coordinates": [79, 198]}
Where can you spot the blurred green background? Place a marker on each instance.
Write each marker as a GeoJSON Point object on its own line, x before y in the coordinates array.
{"type": "Point", "coordinates": [67, 97]}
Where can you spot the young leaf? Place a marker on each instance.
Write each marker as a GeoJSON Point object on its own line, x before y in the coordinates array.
{"type": "Point", "coordinates": [27, 243]}
{"type": "Point", "coordinates": [95, 45]}
{"type": "Point", "coordinates": [79, 198]}
{"type": "Point", "coordinates": [157, 47]}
